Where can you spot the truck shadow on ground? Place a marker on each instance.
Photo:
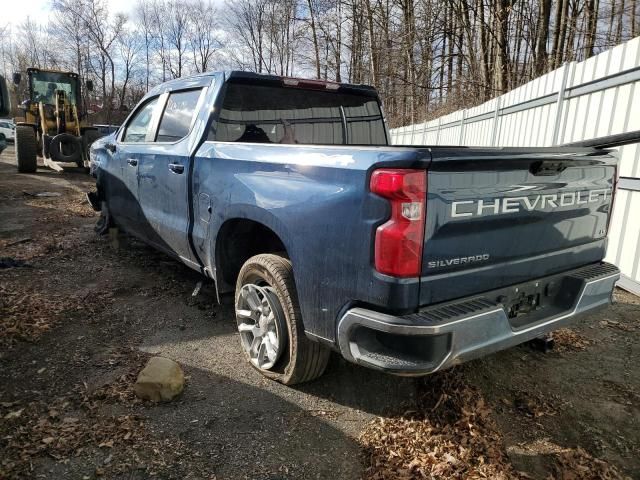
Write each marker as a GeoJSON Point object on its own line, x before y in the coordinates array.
{"type": "Point", "coordinates": [199, 331]}
{"type": "Point", "coordinates": [208, 342]}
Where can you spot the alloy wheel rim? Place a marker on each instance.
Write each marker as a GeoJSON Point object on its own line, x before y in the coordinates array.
{"type": "Point", "coordinates": [261, 325]}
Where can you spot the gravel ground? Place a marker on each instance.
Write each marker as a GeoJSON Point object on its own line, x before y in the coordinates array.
{"type": "Point", "coordinates": [81, 317]}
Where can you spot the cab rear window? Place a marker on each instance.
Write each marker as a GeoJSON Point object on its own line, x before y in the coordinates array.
{"type": "Point", "coordinates": [275, 114]}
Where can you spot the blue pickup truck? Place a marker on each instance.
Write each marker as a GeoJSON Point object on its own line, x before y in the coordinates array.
{"type": "Point", "coordinates": [406, 259]}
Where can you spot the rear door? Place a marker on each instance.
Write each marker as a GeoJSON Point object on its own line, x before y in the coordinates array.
{"type": "Point", "coordinates": [163, 173]}
{"type": "Point", "coordinates": [500, 217]}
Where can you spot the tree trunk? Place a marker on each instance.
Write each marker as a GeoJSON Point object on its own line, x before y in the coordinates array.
{"type": "Point", "coordinates": [502, 58]}
{"type": "Point", "coordinates": [338, 53]}
{"type": "Point", "coordinates": [484, 51]}
{"type": "Point", "coordinates": [618, 37]}
{"type": "Point", "coordinates": [569, 54]}
{"type": "Point", "coordinates": [591, 20]}
{"type": "Point", "coordinates": [373, 54]}
{"type": "Point", "coordinates": [314, 33]}
{"type": "Point", "coordinates": [542, 35]}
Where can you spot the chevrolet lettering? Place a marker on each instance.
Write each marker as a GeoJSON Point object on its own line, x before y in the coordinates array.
{"type": "Point", "coordinates": [543, 202]}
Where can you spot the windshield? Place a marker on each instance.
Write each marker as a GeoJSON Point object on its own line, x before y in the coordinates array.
{"type": "Point", "coordinates": [45, 84]}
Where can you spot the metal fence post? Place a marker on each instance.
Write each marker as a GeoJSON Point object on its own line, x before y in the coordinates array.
{"type": "Point", "coordinates": [496, 117]}
{"type": "Point", "coordinates": [438, 131]}
{"type": "Point", "coordinates": [560, 103]}
{"type": "Point", "coordinates": [464, 115]}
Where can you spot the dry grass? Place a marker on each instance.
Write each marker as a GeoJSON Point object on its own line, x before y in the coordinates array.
{"type": "Point", "coordinates": [567, 340]}
{"type": "Point", "coordinates": [453, 436]}
{"type": "Point", "coordinates": [26, 313]}
{"type": "Point", "coordinates": [75, 427]}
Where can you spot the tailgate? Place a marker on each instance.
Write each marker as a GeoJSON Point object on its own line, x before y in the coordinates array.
{"type": "Point", "coordinates": [500, 217]}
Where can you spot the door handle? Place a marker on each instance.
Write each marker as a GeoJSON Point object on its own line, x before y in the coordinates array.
{"type": "Point", "coordinates": [132, 161]}
{"type": "Point", "coordinates": [111, 147]}
{"type": "Point", "coordinates": [176, 168]}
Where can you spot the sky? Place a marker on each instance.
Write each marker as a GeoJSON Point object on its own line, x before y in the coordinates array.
{"type": "Point", "coordinates": [15, 11]}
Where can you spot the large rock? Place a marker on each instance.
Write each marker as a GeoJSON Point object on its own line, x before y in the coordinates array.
{"type": "Point", "coordinates": [160, 380]}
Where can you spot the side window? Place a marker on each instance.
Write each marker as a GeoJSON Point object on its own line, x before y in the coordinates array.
{"type": "Point", "coordinates": [177, 116]}
{"type": "Point", "coordinates": [138, 126]}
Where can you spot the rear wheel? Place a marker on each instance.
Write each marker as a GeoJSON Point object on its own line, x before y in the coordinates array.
{"type": "Point", "coordinates": [26, 149]}
{"type": "Point", "coordinates": [270, 324]}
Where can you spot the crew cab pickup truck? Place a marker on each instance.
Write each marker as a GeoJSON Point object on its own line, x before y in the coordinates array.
{"type": "Point", "coordinates": [406, 259]}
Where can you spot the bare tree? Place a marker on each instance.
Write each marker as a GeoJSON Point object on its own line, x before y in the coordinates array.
{"type": "Point", "coordinates": [102, 30]}
{"type": "Point", "coordinates": [176, 28]}
{"type": "Point", "coordinates": [314, 35]}
{"type": "Point", "coordinates": [202, 34]}
{"type": "Point", "coordinates": [144, 15]}
{"type": "Point", "coordinates": [129, 47]}
{"type": "Point", "coordinates": [425, 57]}
{"type": "Point", "coordinates": [247, 21]}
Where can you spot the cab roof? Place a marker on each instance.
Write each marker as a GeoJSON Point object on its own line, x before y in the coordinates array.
{"type": "Point", "coordinates": [238, 76]}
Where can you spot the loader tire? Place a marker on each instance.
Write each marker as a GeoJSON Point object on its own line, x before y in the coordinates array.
{"type": "Point", "coordinates": [88, 138]}
{"type": "Point", "coordinates": [26, 149]}
{"type": "Point", "coordinates": [58, 153]}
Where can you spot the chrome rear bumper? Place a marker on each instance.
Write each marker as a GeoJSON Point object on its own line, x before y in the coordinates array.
{"type": "Point", "coordinates": [444, 335]}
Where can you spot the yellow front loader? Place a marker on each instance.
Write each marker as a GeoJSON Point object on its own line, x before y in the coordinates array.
{"type": "Point", "coordinates": [52, 125]}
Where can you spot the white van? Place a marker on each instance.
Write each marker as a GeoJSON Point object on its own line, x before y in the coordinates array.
{"type": "Point", "coordinates": [8, 128]}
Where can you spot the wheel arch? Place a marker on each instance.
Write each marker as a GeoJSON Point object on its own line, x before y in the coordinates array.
{"type": "Point", "coordinates": [240, 238]}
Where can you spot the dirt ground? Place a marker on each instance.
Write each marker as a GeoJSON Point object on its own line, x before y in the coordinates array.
{"type": "Point", "coordinates": [78, 319]}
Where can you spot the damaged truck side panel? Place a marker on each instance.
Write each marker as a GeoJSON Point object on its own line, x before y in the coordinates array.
{"type": "Point", "coordinates": [405, 259]}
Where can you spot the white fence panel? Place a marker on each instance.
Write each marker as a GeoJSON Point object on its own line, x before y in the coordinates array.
{"type": "Point", "coordinates": [578, 101]}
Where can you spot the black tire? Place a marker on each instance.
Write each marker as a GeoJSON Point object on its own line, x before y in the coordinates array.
{"type": "Point", "coordinates": [88, 137]}
{"type": "Point", "coordinates": [303, 360]}
{"type": "Point", "coordinates": [26, 149]}
{"type": "Point", "coordinates": [60, 154]}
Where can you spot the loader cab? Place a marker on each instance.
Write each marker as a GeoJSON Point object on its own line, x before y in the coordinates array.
{"type": "Point", "coordinates": [44, 84]}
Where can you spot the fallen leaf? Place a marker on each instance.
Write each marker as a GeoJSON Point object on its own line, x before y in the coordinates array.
{"type": "Point", "coordinates": [14, 414]}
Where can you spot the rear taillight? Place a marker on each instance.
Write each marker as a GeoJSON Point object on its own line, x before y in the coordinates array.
{"type": "Point", "coordinates": [399, 241]}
